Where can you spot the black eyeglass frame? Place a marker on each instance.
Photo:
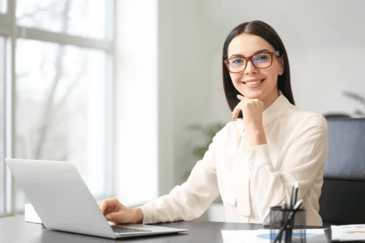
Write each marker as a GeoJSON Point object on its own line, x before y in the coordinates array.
{"type": "Point", "coordinates": [274, 53]}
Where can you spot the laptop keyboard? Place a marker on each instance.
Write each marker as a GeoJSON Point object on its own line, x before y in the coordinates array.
{"type": "Point", "coordinates": [128, 230]}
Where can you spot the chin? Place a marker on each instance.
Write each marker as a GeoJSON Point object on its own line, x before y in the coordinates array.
{"type": "Point", "coordinates": [251, 95]}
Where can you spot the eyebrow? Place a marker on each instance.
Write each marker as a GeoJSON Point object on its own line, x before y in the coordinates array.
{"type": "Point", "coordinates": [258, 52]}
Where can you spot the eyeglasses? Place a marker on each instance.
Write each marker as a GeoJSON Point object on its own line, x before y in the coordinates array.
{"type": "Point", "coordinates": [261, 60]}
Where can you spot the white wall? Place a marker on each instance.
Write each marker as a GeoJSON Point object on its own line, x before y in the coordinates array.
{"type": "Point", "coordinates": [136, 100]}
{"type": "Point", "coordinates": [324, 40]}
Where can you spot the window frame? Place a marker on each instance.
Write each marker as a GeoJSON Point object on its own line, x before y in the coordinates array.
{"type": "Point", "coordinates": [11, 32]}
{"type": "Point", "coordinates": [7, 18]}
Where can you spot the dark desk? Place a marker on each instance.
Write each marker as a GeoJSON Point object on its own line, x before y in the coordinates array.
{"type": "Point", "coordinates": [14, 230]}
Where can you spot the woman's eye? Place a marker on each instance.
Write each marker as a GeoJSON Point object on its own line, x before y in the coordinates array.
{"type": "Point", "coordinates": [237, 62]}
{"type": "Point", "coordinates": [260, 57]}
{"type": "Point", "coordinates": [260, 60]}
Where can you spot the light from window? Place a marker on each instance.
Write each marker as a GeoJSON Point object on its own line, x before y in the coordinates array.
{"type": "Point", "coordinates": [3, 6]}
{"type": "Point", "coordinates": [77, 17]}
{"type": "Point", "coordinates": [2, 130]}
{"type": "Point", "coordinates": [60, 108]}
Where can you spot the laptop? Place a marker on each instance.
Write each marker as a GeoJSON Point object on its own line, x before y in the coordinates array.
{"type": "Point", "coordinates": [64, 203]}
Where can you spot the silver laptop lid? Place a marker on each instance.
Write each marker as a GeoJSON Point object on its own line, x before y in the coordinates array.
{"type": "Point", "coordinates": [60, 196]}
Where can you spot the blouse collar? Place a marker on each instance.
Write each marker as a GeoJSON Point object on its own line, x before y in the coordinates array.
{"type": "Point", "coordinates": [276, 109]}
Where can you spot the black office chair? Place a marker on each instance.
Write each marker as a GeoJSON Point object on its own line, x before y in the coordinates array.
{"type": "Point", "coordinates": [343, 193]}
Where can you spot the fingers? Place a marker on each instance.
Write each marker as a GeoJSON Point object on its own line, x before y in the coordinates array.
{"type": "Point", "coordinates": [245, 105]}
{"type": "Point", "coordinates": [116, 218]}
{"type": "Point", "coordinates": [104, 205]}
{"type": "Point", "coordinates": [121, 217]}
{"type": "Point", "coordinates": [109, 205]}
{"type": "Point", "coordinates": [117, 213]}
{"type": "Point", "coordinates": [235, 113]}
{"type": "Point", "coordinates": [240, 97]}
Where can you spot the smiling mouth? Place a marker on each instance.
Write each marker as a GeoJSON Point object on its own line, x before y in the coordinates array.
{"type": "Point", "coordinates": [254, 82]}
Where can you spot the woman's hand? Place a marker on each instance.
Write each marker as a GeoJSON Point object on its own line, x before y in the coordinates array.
{"type": "Point", "coordinates": [117, 213]}
{"type": "Point", "coordinates": [252, 110]}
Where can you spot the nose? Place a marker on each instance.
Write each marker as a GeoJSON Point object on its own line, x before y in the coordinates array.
{"type": "Point", "coordinates": [250, 68]}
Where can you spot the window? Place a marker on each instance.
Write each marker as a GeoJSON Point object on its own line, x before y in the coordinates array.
{"type": "Point", "coordinates": [2, 128]}
{"type": "Point", "coordinates": [74, 17]}
{"type": "Point", "coordinates": [59, 93]}
{"type": "Point", "coordinates": [3, 7]}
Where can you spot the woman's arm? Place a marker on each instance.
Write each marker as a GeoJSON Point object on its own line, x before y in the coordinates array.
{"type": "Point", "coordinates": [184, 202]}
{"type": "Point", "coordinates": [252, 112]}
{"type": "Point", "coordinates": [301, 162]}
{"type": "Point", "coordinates": [192, 198]}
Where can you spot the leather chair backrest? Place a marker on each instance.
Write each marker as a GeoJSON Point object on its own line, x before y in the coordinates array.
{"type": "Point", "coordinates": [343, 193]}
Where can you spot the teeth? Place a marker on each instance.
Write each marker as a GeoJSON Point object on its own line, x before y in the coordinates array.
{"type": "Point", "coordinates": [255, 82]}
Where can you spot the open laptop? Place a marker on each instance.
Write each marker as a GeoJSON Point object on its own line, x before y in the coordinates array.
{"type": "Point", "coordinates": [63, 202]}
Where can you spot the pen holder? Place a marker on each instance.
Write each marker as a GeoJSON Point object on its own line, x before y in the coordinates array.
{"type": "Point", "coordinates": [295, 230]}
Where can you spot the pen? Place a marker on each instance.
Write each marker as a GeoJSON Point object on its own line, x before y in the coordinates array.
{"type": "Point", "coordinates": [294, 195]}
{"type": "Point", "coordinates": [291, 222]}
{"type": "Point", "coordinates": [291, 214]}
{"type": "Point", "coordinates": [284, 207]}
{"type": "Point", "coordinates": [291, 197]}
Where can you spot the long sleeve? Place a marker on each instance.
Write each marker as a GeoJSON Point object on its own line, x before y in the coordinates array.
{"type": "Point", "coordinates": [193, 197]}
{"type": "Point", "coordinates": [251, 180]}
{"type": "Point", "coordinates": [301, 159]}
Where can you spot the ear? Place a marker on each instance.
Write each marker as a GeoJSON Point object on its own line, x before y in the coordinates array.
{"type": "Point", "coordinates": [281, 62]}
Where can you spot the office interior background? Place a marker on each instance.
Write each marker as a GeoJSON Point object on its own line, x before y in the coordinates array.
{"type": "Point", "coordinates": [116, 86]}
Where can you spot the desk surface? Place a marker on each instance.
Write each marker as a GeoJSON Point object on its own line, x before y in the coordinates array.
{"type": "Point", "coordinates": [14, 229]}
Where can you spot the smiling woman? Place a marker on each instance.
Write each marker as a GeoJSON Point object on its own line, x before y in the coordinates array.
{"type": "Point", "coordinates": [261, 39]}
{"type": "Point", "coordinates": [252, 162]}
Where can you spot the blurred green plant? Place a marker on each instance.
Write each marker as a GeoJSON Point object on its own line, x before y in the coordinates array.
{"type": "Point", "coordinates": [208, 132]}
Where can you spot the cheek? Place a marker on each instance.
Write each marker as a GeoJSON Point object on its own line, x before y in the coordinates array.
{"type": "Point", "coordinates": [273, 73]}
{"type": "Point", "coordinates": [276, 69]}
{"type": "Point", "coordinates": [273, 77]}
{"type": "Point", "coordinates": [235, 77]}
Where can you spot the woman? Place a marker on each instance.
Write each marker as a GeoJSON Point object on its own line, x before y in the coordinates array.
{"type": "Point", "coordinates": [252, 162]}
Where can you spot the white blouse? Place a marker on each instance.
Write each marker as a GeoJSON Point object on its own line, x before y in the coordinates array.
{"type": "Point", "coordinates": [251, 180]}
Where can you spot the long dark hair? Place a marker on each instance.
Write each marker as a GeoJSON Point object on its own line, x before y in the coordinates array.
{"type": "Point", "coordinates": [266, 32]}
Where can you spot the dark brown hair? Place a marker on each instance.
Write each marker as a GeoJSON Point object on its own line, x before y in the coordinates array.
{"type": "Point", "coordinates": [266, 32]}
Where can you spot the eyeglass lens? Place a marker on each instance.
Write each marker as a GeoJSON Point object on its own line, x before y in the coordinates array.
{"type": "Point", "coordinates": [237, 64]}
